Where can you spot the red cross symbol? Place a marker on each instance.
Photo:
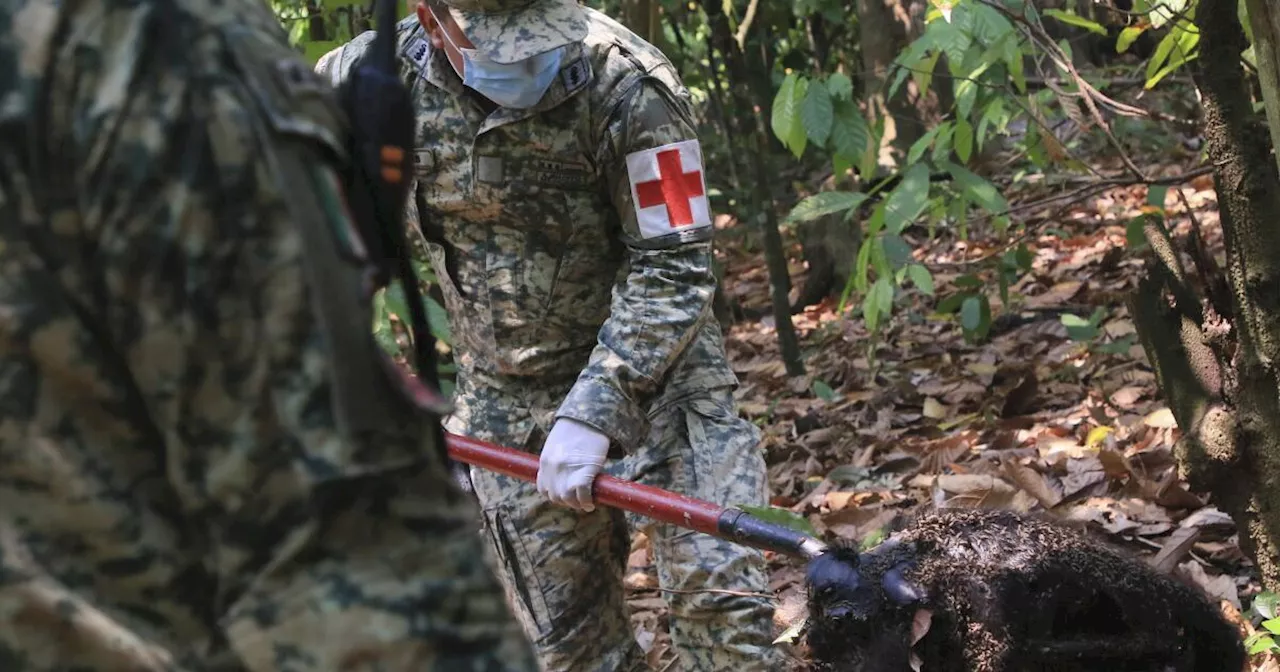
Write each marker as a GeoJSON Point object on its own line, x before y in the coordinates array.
{"type": "Point", "coordinates": [674, 188]}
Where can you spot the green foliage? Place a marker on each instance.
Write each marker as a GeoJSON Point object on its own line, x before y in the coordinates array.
{"type": "Point", "coordinates": [1265, 606]}
{"type": "Point", "coordinates": [780, 516]}
{"type": "Point", "coordinates": [984, 55]}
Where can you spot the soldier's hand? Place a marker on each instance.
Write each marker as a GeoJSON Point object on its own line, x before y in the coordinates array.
{"type": "Point", "coordinates": [571, 458]}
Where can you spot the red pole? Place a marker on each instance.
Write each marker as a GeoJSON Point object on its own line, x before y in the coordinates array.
{"type": "Point", "coordinates": [647, 501]}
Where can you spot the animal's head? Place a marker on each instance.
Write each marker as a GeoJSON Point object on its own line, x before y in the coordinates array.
{"type": "Point", "coordinates": [861, 607]}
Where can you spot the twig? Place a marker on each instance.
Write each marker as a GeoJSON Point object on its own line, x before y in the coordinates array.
{"type": "Point", "coordinates": [1103, 185]}
{"type": "Point", "coordinates": [745, 26]}
{"type": "Point", "coordinates": [1074, 196]}
{"type": "Point", "coordinates": [1088, 94]}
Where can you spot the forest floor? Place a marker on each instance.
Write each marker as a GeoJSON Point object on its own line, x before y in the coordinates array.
{"type": "Point", "coordinates": [1030, 420]}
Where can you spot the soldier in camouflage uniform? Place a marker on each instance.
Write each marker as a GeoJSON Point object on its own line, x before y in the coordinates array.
{"type": "Point", "coordinates": [564, 212]}
{"type": "Point", "coordinates": [206, 464]}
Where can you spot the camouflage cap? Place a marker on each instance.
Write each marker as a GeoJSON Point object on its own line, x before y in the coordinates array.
{"type": "Point", "coordinates": [509, 31]}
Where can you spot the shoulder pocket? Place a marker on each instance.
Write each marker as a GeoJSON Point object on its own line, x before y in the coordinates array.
{"type": "Point", "coordinates": [294, 99]}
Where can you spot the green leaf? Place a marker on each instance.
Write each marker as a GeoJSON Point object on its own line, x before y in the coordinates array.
{"type": "Point", "coordinates": [922, 72]}
{"type": "Point", "coordinates": [785, 118]}
{"type": "Point", "coordinates": [908, 199]}
{"type": "Point", "coordinates": [978, 189]}
{"type": "Point", "coordinates": [1183, 51]}
{"type": "Point", "coordinates": [823, 204]}
{"type": "Point", "coordinates": [919, 147]}
{"type": "Point", "coordinates": [849, 132]}
{"type": "Point", "coordinates": [439, 319]}
{"type": "Point", "coordinates": [840, 86]}
{"type": "Point", "coordinates": [952, 303]}
{"type": "Point", "coordinates": [971, 313]}
{"type": "Point", "coordinates": [1242, 12]}
{"type": "Point", "coordinates": [783, 114]}
{"type": "Point", "coordinates": [817, 114]}
{"type": "Point", "coordinates": [1267, 604]}
{"type": "Point", "coordinates": [824, 392]}
{"type": "Point", "coordinates": [896, 250]}
{"type": "Point", "coordinates": [880, 260]}
{"type": "Point", "coordinates": [1156, 194]}
{"type": "Point", "coordinates": [1164, 11]}
{"type": "Point", "coordinates": [1259, 643]}
{"type": "Point", "coordinates": [874, 539]}
{"type": "Point", "coordinates": [881, 297]}
{"type": "Point", "coordinates": [779, 516]}
{"type": "Point", "coordinates": [1177, 48]}
{"type": "Point", "coordinates": [921, 278]}
{"type": "Point", "coordinates": [1076, 20]}
{"type": "Point", "coordinates": [1078, 328]}
{"type": "Point", "coordinates": [964, 140]}
{"type": "Point", "coordinates": [1128, 36]}
{"type": "Point", "coordinates": [1272, 625]}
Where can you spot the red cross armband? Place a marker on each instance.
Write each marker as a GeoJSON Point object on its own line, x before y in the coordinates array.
{"type": "Point", "coordinates": [668, 190]}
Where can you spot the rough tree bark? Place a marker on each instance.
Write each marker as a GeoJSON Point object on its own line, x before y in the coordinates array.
{"type": "Point", "coordinates": [1217, 358]}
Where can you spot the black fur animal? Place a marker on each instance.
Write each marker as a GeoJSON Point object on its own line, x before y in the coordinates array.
{"type": "Point", "coordinates": [1007, 593]}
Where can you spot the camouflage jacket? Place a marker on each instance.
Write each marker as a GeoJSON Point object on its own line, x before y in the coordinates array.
{"type": "Point", "coordinates": [565, 298]}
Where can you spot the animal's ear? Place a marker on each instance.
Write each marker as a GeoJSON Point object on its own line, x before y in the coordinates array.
{"type": "Point", "coordinates": [898, 588]}
{"type": "Point", "coordinates": [836, 569]}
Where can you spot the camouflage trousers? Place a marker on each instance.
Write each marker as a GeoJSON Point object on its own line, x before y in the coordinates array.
{"type": "Point", "coordinates": [563, 569]}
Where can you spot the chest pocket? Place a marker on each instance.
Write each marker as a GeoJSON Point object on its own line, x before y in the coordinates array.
{"type": "Point", "coordinates": [549, 210]}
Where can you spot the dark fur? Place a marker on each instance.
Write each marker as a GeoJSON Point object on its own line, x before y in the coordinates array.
{"type": "Point", "coordinates": [1008, 593]}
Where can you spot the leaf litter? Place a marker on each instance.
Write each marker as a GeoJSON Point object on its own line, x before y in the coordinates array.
{"type": "Point", "coordinates": [1030, 420]}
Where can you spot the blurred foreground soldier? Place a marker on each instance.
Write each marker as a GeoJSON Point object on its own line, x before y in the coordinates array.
{"type": "Point", "coordinates": [564, 212]}
{"type": "Point", "coordinates": [205, 461]}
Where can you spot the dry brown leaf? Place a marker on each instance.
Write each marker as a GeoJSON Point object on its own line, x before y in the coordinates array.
{"type": "Point", "coordinates": [1218, 587]}
{"type": "Point", "coordinates": [856, 523]}
{"type": "Point", "coordinates": [640, 581]}
{"type": "Point", "coordinates": [974, 490]}
{"type": "Point", "coordinates": [1056, 296]}
{"type": "Point", "coordinates": [1175, 548]}
{"type": "Point", "coordinates": [835, 501]}
{"type": "Point", "coordinates": [1113, 463]}
{"type": "Point", "coordinates": [1210, 522]}
{"type": "Point", "coordinates": [1033, 483]}
{"type": "Point", "coordinates": [933, 409]}
{"type": "Point", "coordinates": [1126, 397]}
{"type": "Point", "coordinates": [1161, 418]}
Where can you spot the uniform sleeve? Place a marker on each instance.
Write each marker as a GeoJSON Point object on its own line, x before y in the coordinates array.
{"type": "Point", "coordinates": [655, 178]}
{"type": "Point", "coordinates": [338, 63]}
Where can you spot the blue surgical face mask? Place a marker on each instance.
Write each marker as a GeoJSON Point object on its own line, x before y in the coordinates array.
{"type": "Point", "coordinates": [514, 85]}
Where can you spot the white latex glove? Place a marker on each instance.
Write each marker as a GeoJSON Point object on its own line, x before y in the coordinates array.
{"type": "Point", "coordinates": [572, 456]}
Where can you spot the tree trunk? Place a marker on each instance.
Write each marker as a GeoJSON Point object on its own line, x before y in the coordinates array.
{"type": "Point", "coordinates": [1264, 18]}
{"type": "Point", "coordinates": [750, 123]}
{"type": "Point", "coordinates": [316, 29]}
{"type": "Point", "coordinates": [1219, 372]}
{"type": "Point", "coordinates": [885, 29]}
